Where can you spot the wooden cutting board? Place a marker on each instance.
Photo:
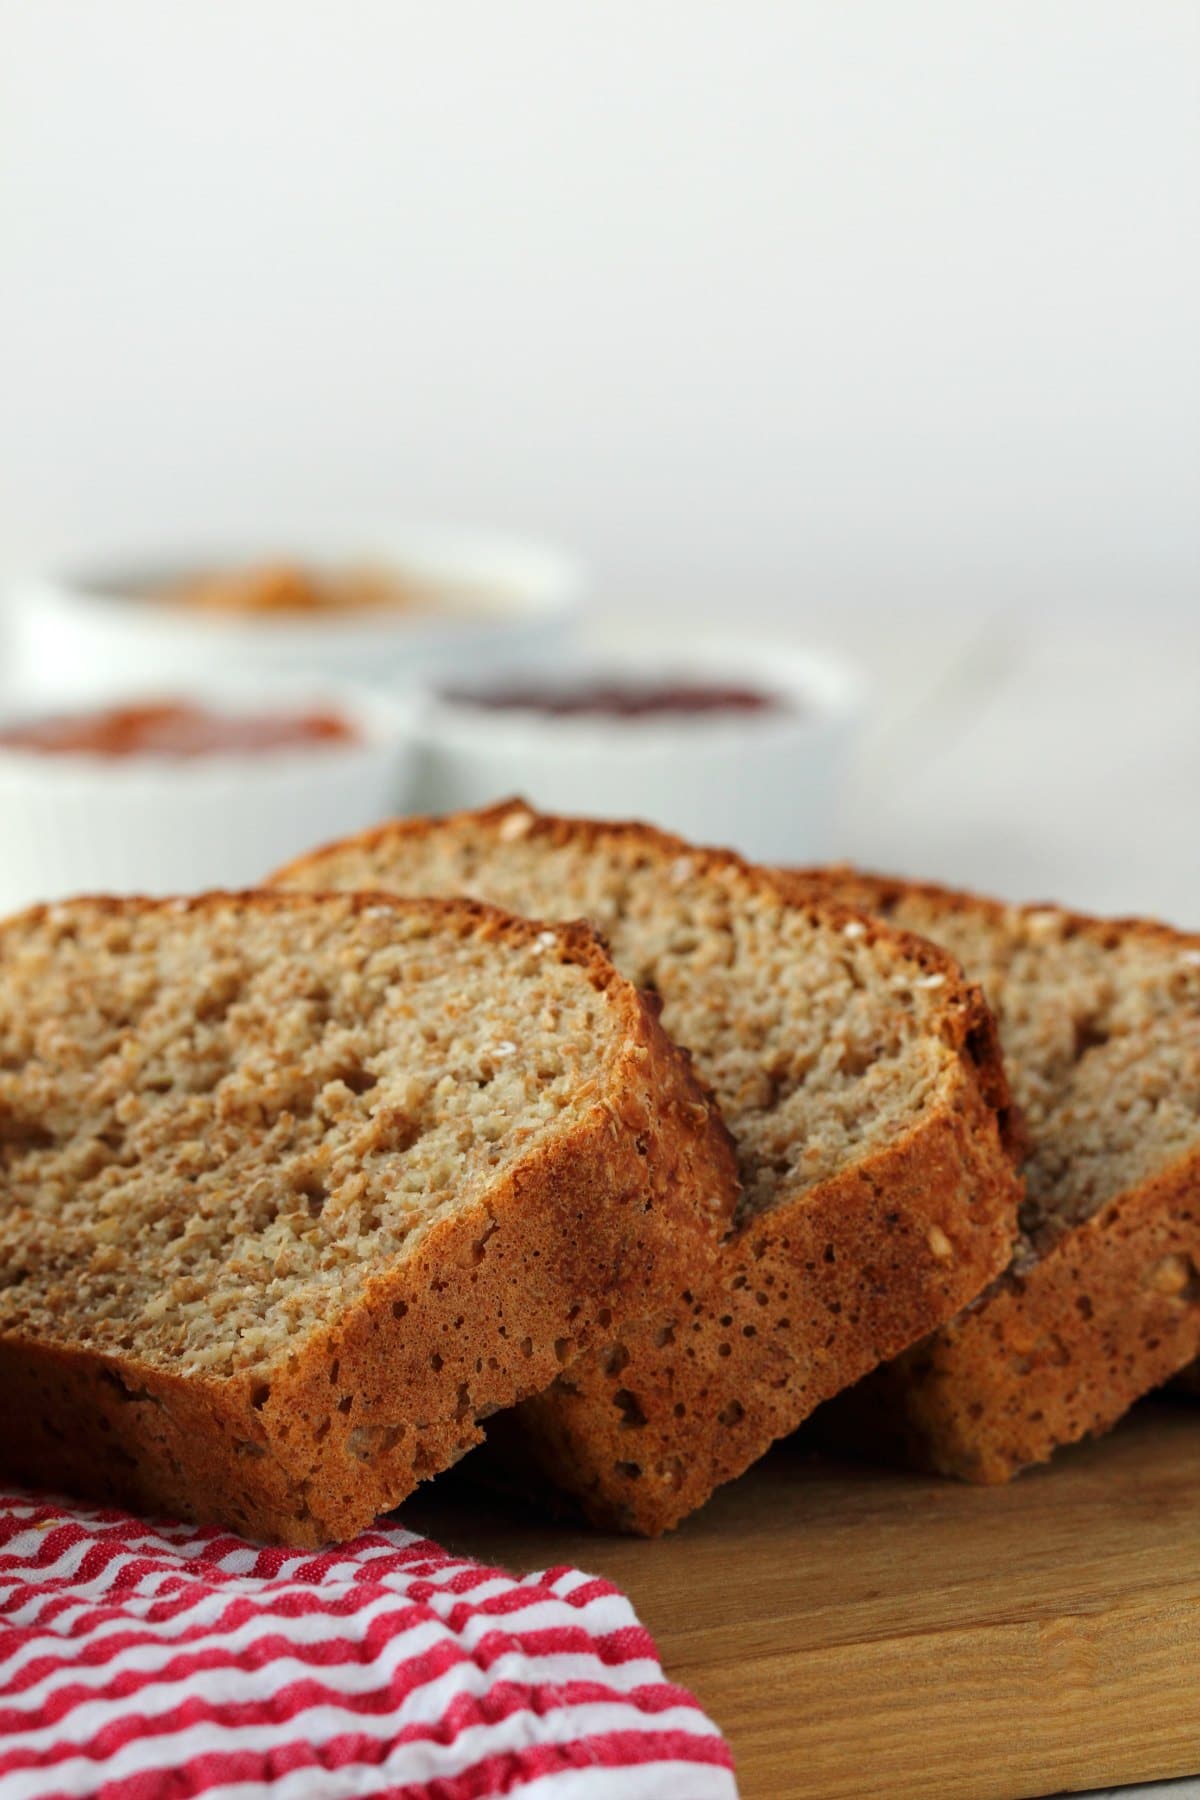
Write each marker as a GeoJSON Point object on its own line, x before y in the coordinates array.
{"type": "Point", "coordinates": [859, 1632]}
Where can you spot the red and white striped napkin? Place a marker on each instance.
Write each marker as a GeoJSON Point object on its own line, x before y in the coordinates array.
{"type": "Point", "coordinates": [143, 1662]}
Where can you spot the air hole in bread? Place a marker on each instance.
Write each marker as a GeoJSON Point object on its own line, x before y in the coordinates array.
{"type": "Point", "coordinates": [358, 1079]}
{"type": "Point", "coordinates": [128, 1395]}
{"type": "Point", "coordinates": [313, 1192]}
{"type": "Point", "coordinates": [1090, 1033]}
{"type": "Point", "coordinates": [366, 1442]}
{"type": "Point", "coordinates": [630, 1409]}
{"type": "Point", "coordinates": [19, 1135]}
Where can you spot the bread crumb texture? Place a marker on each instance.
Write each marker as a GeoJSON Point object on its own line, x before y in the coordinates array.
{"type": "Point", "coordinates": [859, 1077]}
{"type": "Point", "coordinates": [818, 1038]}
{"type": "Point", "coordinates": [1100, 1026]}
{"type": "Point", "coordinates": [259, 1153]}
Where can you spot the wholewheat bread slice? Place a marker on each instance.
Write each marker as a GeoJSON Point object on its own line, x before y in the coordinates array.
{"type": "Point", "coordinates": [294, 1190]}
{"type": "Point", "coordinates": [860, 1078]}
{"type": "Point", "coordinates": [1100, 1025]}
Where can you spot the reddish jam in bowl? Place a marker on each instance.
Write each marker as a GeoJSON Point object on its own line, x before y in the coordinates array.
{"type": "Point", "coordinates": [623, 700]}
{"type": "Point", "coordinates": [176, 729]}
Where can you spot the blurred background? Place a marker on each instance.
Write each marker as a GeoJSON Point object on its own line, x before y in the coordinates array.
{"type": "Point", "coordinates": [869, 329]}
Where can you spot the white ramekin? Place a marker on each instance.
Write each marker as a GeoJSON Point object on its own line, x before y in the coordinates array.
{"type": "Point", "coordinates": [767, 784]}
{"type": "Point", "coordinates": [151, 824]}
{"type": "Point", "coordinates": [505, 602]}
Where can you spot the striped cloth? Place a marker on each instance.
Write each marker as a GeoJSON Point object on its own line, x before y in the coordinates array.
{"type": "Point", "coordinates": [157, 1663]}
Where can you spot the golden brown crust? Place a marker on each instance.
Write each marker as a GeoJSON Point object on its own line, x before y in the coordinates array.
{"type": "Point", "coordinates": [1058, 1353]}
{"type": "Point", "coordinates": [809, 1296]}
{"type": "Point", "coordinates": [808, 1299]}
{"type": "Point", "coordinates": [580, 943]}
{"type": "Point", "coordinates": [848, 886]}
{"type": "Point", "coordinates": [1063, 1349]}
{"type": "Point", "coordinates": [572, 1240]}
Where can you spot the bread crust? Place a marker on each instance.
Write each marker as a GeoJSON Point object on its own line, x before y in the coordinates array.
{"type": "Point", "coordinates": [808, 1299]}
{"type": "Point", "coordinates": [870, 891]}
{"type": "Point", "coordinates": [805, 1299]}
{"type": "Point", "coordinates": [1062, 1349]}
{"type": "Point", "coordinates": [574, 1237]}
{"type": "Point", "coordinates": [1059, 1352]}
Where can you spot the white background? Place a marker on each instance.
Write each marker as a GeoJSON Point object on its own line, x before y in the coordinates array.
{"type": "Point", "coordinates": [875, 323]}
{"type": "Point", "coordinates": [759, 304]}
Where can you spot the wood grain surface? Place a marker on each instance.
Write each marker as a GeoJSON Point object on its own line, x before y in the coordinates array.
{"type": "Point", "coordinates": [861, 1632]}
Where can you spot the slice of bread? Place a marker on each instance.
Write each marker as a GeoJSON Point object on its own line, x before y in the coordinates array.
{"type": "Point", "coordinates": [293, 1191]}
{"type": "Point", "coordinates": [1100, 1025]}
{"type": "Point", "coordinates": [860, 1077]}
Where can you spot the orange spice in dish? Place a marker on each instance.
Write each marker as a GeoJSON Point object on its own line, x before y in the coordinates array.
{"type": "Point", "coordinates": [176, 729]}
{"type": "Point", "coordinates": [291, 590]}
